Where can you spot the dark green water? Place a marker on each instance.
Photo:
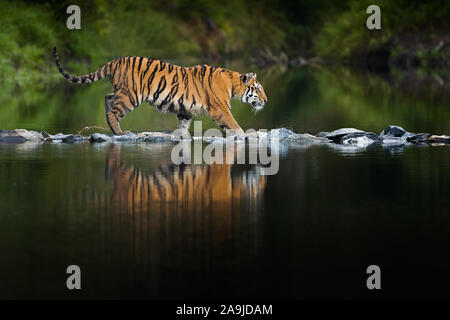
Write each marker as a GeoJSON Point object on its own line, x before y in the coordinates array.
{"type": "Point", "coordinates": [140, 227]}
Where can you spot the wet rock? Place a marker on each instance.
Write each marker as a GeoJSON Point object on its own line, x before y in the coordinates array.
{"type": "Point", "coordinates": [99, 137]}
{"type": "Point", "coordinates": [280, 134]}
{"type": "Point", "coordinates": [392, 141]}
{"type": "Point", "coordinates": [59, 137]}
{"type": "Point", "coordinates": [418, 137]}
{"type": "Point", "coordinates": [260, 134]}
{"type": "Point", "coordinates": [73, 138]}
{"type": "Point", "coordinates": [129, 137]}
{"type": "Point", "coordinates": [159, 137]}
{"type": "Point", "coordinates": [369, 135]}
{"type": "Point", "coordinates": [360, 139]}
{"type": "Point", "coordinates": [30, 135]}
{"type": "Point", "coordinates": [11, 137]}
{"type": "Point", "coordinates": [439, 139]}
{"type": "Point", "coordinates": [307, 138]}
{"type": "Point", "coordinates": [338, 134]}
{"type": "Point", "coordinates": [393, 131]}
{"type": "Point", "coordinates": [215, 139]}
{"type": "Point", "coordinates": [322, 134]}
{"type": "Point", "coordinates": [45, 134]}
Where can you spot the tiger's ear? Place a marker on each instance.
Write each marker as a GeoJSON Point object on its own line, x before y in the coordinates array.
{"type": "Point", "coordinates": [247, 77]}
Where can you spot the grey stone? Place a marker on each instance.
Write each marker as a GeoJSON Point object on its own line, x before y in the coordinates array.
{"type": "Point", "coordinates": [11, 137]}
{"type": "Point", "coordinates": [393, 131]}
{"type": "Point", "coordinates": [280, 134]}
{"type": "Point", "coordinates": [393, 141]}
{"type": "Point", "coordinates": [30, 135]}
{"type": "Point", "coordinates": [360, 139]}
{"type": "Point", "coordinates": [322, 134]}
{"type": "Point", "coordinates": [99, 137]}
{"type": "Point", "coordinates": [338, 134]}
{"type": "Point", "coordinates": [418, 137]}
{"type": "Point", "coordinates": [439, 139]}
{"type": "Point", "coordinates": [307, 138]}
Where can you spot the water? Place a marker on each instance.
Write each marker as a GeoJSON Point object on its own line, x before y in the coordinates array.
{"type": "Point", "coordinates": [140, 227]}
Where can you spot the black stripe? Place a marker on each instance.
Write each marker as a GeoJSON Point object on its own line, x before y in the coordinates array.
{"type": "Point", "coordinates": [161, 86]}
{"type": "Point", "coordinates": [162, 65]}
{"type": "Point", "coordinates": [124, 106]}
{"type": "Point", "coordinates": [175, 79]}
{"type": "Point", "coordinates": [133, 82]}
{"type": "Point", "coordinates": [202, 72]}
{"type": "Point", "coordinates": [183, 72]}
{"type": "Point", "coordinates": [172, 93]}
{"type": "Point", "coordinates": [150, 79]}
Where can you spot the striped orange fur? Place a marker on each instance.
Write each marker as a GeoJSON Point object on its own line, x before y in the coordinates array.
{"type": "Point", "coordinates": [186, 91]}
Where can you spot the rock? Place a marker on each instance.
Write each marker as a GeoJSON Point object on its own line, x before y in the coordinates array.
{"type": "Point", "coordinates": [360, 139]}
{"type": "Point", "coordinates": [99, 137]}
{"type": "Point", "coordinates": [392, 141]}
{"type": "Point", "coordinates": [280, 134]}
{"type": "Point", "coordinates": [11, 137]}
{"type": "Point", "coordinates": [393, 131]}
{"type": "Point", "coordinates": [216, 139]}
{"type": "Point", "coordinates": [369, 135]}
{"type": "Point", "coordinates": [418, 137]}
{"type": "Point", "coordinates": [307, 138]}
{"type": "Point", "coordinates": [59, 137]}
{"type": "Point", "coordinates": [30, 135]}
{"type": "Point", "coordinates": [338, 134]}
{"type": "Point", "coordinates": [159, 137]}
{"type": "Point", "coordinates": [74, 138]}
{"type": "Point", "coordinates": [45, 134]}
{"type": "Point", "coordinates": [439, 139]}
{"type": "Point", "coordinates": [322, 134]}
{"type": "Point", "coordinates": [126, 137]}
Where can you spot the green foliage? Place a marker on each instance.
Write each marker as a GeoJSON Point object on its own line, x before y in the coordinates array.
{"type": "Point", "coordinates": [344, 33]}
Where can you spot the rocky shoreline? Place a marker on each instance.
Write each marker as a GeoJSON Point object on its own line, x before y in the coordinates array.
{"type": "Point", "coordinates": [391, 136]}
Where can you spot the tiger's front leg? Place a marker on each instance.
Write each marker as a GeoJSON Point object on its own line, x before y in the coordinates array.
{"type": "Point", "coordinates": [226, 121]}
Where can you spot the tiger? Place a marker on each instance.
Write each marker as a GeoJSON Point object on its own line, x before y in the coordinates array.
{"type": "Point", "coordinates": [185, 91]}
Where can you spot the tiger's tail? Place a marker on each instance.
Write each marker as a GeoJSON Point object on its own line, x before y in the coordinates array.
{"type": "Point", "coordinates": [101, 73]}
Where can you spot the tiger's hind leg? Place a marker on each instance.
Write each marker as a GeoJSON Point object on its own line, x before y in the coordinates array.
{"type": "Point", "coordinates": [184, 122]}
{"type": "Point", "coordinates": [116, 107]}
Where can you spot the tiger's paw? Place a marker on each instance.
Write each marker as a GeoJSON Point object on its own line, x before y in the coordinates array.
{"type": "Point", "coordinates": [235, 132]}
{"type": "Point", "coordinates": [123, 133]}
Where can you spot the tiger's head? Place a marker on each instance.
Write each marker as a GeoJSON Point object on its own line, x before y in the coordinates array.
{"type": "Point", "coordinates": [251, 91]}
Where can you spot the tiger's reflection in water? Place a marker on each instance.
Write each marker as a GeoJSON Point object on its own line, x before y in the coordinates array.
{"type": "Point", "coordinates": [187, 222]}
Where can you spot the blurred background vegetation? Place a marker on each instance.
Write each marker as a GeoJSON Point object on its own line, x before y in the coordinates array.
{"type": "Point", "coordinates": [230, 33]}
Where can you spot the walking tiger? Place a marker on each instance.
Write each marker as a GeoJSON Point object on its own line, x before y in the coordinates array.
{"type": "Point", "coordinates": [186, 91]}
